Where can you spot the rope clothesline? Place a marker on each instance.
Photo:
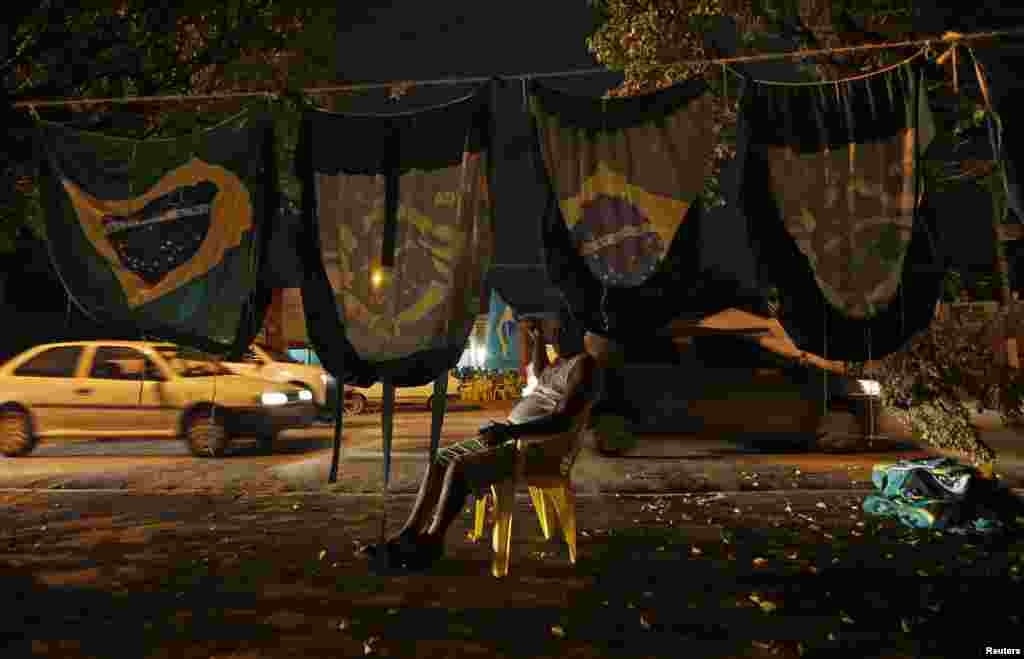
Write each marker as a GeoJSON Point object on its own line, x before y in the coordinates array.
{"type": "Point", "coordinates": [818, 83]}
{"type": "Point", "coordinates": [950, 38]}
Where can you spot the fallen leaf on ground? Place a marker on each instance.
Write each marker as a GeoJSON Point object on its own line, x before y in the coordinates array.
{"type": "Point", "coordinates": [644, 623]}
{"type": "Point", "coordinates": [368, 645]}
{"type": "Point", "coordinates": [845, 618]}
{"type": "Point", "coordinates": [760, 561]}
{"type": "Point", "coordinates": [556, 630]}
{"type": "Point", "coordinates": [323, 552]}
{"type": "Point", "coordinates": [821, 505]}
{"type": "Point", "coordinates": [696, 551]}
{"type": "Point", "coordinates": [766, 605]}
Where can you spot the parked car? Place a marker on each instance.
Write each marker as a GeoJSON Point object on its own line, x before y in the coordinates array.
{"type": "Point", "coordinates": [730, 386]}
{"type": "Point", "coordinates": [140, 389]}
{"type": "Point", "coordinates": [267, 364]}
{"type": "Point", "coordinates": [357, 398]}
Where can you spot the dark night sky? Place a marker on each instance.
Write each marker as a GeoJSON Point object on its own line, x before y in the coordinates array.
{"type": "Point", "coordinates": [380, 41]}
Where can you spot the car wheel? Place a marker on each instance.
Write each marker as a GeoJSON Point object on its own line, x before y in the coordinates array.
{"type": "Point", "coordinates": [355, 404]}
{"type": "Point", "coordinates": [16, 437]}
{"type": "Point", "coordinates": [206, 435]}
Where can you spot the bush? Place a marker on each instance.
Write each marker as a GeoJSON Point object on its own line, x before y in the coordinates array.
{"type": "Point", "coordinates": [930, 381]}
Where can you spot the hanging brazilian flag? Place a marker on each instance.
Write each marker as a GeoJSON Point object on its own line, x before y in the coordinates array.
{"type": "Point", "coordinates": [163, 236]}
{"type": "Point", "coordinates": [396, 245]}
{"type": "Point", "coordinates": [835, 199]}
{"type": "Point", "coordinates": [844, 176]}
{"type": "Point", "coordinates": [397, 238]}
{"type": "Point", "coordinates": [625, 172]}
{"type": "Point", "coordinates": [629, 230]}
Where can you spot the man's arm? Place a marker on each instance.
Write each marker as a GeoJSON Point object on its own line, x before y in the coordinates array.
{"type": "Point", "coordinates": [559, 421]}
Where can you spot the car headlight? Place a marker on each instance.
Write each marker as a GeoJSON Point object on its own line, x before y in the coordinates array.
{"type": "Point", "coordinates": [273, 398]}
{"type": "Point", "coordinates": [305, 394]}
{"type": "Point", "coordinates": [870, 387]}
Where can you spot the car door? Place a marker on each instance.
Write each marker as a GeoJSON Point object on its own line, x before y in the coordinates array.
{"type": "Point", "coordinates": [165, 394]}
{"type": "Point", "coordinates": [45, 383]}
{"type": "Point", "coordinates": [121, 400]}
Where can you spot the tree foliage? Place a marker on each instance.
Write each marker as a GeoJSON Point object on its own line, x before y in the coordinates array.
{"type": "Point", "coordinates": [131, 47]}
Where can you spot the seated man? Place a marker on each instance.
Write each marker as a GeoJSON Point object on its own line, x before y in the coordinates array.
{"type": "Point", "coordinates": [563, 388]}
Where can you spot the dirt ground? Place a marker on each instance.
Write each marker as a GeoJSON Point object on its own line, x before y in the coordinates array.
{"type": "Point", "coordinates": [728, 575]}
{"type": "Point", "coordinates": [763, 556]}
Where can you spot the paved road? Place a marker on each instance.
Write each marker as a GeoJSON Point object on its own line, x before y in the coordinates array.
{"type": "Point", "coordinates": [302, 457]}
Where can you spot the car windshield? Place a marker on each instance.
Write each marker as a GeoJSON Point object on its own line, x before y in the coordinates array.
{"type": "Point", "coordinates": [191, 363]}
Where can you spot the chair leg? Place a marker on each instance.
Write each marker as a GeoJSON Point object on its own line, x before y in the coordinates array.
{"type": "Point", "coordinates": [479, 515]}
{"type": "Point", "coordinates": [537, 495]}
{"type": "Point", "coordinates": [565, 503]}
{"type": "Point", "coordinates": [504, 502]}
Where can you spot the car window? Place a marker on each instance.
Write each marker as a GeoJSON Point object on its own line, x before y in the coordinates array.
{"type": "Point", "coordinates": [122, 363]}
{"type": "Point", "coordinates": [189, 362]}
{"type": "Point", "coordinates": [304, 356]}
{"type": "Point", "coordinates": [58, 362]}
{"type": "Point", "coordinates": [280, 356]}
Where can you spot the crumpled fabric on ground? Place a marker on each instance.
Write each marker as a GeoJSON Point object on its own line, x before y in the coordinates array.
{"type": "Point", "coordinates": [929, 493]}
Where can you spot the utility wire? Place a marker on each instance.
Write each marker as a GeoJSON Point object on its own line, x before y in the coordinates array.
{"type": "Point", "coordinates": [949, 38]}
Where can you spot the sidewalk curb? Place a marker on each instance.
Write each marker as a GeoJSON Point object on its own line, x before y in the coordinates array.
{"type": "Point", "coordinates": [519, 495]}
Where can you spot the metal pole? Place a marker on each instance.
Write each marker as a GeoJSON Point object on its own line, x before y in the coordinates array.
{"type": "Point", "coordinates": [339, 410]}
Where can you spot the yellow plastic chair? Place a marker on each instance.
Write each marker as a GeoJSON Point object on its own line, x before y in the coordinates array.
{"type": "Point", "coordinates": [549, 481]}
